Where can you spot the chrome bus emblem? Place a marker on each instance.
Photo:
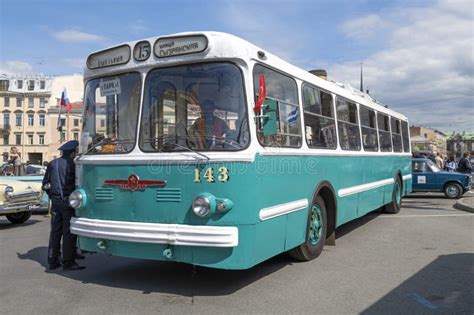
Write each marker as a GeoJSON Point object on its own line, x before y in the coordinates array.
{"type": "Point", "coordinates": [133, 183]}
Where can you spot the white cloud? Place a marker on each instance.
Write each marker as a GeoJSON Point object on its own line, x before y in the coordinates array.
{"type": "Point", "coordinates": [427, 69]}
{"type": "Point", "coordinates": [363, 28]}
{"type": "Point", "coordinates": [75, 36]}
{"type": "Point", "coordinates": [14, 66]}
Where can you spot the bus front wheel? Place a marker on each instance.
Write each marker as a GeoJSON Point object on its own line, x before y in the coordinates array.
{"type": "Point", "coordinates": [316, 230]}
{"type": "Point", "coordinates": [396, 204]}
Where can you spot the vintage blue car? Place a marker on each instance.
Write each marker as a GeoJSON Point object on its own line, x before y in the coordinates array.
{"type": "Point", "coordinates": [427, 177]}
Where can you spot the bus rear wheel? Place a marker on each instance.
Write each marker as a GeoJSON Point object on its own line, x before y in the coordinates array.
{"type": "Point", "coordinates": [316, 230]}
{"type": "Point", "coordinates": [396, 204]}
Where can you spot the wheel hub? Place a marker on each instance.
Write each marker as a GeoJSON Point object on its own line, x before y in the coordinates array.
{"type": "Point", "coordinates": [316, 225]}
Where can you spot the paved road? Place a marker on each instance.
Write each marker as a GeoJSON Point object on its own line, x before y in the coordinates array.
{"type": "Point", "coordinates": [419, 261]}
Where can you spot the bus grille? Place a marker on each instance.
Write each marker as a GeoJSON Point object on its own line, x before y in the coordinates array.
{"type": "Point", "coordinates": [168, 195]}
{"type": "Point", "coordinates": [104, 194]}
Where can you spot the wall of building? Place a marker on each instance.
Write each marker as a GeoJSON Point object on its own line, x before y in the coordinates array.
{"type": "Point", "coordinates": [25, 122]}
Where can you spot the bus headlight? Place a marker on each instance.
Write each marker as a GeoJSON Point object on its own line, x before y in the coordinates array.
{"type": "Point", "coordinates": [9, 191]}
{"type": "Point", "coordinates": [77, 199]}
{"type": "Point", "coordinates": [204, 205]}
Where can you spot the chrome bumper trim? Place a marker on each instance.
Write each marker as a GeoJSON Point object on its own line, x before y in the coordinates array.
{"type": "Point", "coordinates": [12, 208]}
{"type": "Point", "coordinates": [157, 233]}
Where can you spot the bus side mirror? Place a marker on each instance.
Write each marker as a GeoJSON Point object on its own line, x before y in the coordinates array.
{"type": "Point", "coordinates": [269, 115]}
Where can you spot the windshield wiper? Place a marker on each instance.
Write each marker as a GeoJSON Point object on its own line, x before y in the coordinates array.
{"type": "Point", "coordinates": [165, 138]}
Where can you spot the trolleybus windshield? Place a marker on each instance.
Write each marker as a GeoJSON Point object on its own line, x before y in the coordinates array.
{"type": "Point", "coordinates": [111, 113]}
{"type": "Point", "coordinates": [199, 107]}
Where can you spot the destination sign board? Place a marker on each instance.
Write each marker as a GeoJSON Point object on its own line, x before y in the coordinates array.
{"type": "Point", "coordinates": [111, 57]}
{"type": "Point", "coordinates": [110, 87]}
{"type": "Point", "coordinates": [168, 47]}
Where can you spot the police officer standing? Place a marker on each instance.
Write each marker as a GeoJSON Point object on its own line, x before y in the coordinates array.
{"type": "Point", "coordinates": [59, 183]}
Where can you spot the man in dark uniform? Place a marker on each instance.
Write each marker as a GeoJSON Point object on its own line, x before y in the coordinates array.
{"type": "Point", "coordinates": [59, 183]}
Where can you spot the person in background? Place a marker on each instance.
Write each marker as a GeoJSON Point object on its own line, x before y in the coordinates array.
{"type": "Point", "coordinates": [451, 164]}
{"type": "Point", "coordinates": [439, 161]}
{"type": "Point", "coordinates": [59, 183]}
{"type": "Point", "coordinates": [445, 162]}
{"type": "Point", "coordinates": [464, 165]}
{"type": "Point", "coordinates": [15, 160]}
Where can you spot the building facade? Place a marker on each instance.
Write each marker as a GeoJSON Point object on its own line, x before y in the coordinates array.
{"type": "Point", "coordinates": [428, 139]}
{"type": "Point", "coordinates": [25, 102]}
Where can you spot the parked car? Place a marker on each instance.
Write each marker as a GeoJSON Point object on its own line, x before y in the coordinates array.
{"type": "Point", "coordinates": [18, 199]}
{"type": "Point", "coordinates": [26, 169]}
{"type": "Point", "coordinates": [428, 177]}
{"type": "Point", "coordinates": [38, 178]}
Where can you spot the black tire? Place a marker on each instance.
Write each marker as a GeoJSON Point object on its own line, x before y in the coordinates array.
{"type": "Point", "coordinates": [453, 191]}
{"type": "Point", "coordinates": [19, 217]}
{"type": "Point", "coordinates": [396, 204]}
{"type": "Point", "coordinates": [315, 237]}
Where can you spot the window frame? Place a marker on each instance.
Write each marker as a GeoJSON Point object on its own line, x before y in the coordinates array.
{"type": "Point", "coordinates": [31, 120]}
{"type": "Point", "coordinates": [42, 117]}
{"type": "Point", "coordinates": [333, 111]}
{"type": "Point", "coordinates": [369, 109]}
{"type": "Point", "coordinates": [405, 133]}
{"type": "Point", "coordinates": [298, 106]}
{"type": "Point", "coordinates": [31, 85]}
{"type": "Point", "coordinates": [245, 117]}
{"type": "Point", "coordinates": [392, 133]}
{"type": "Point", "coordinates": [18, 119]}
{"type": "Point", "coordinates": [348, 122]}
{"type": "Point", "coordinates": [139, 109]}
{"type": "Point", "coordinates": [389, 132]}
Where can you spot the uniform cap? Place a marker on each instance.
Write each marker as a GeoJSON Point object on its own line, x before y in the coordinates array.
{"type": "Point", "coordinates": [69, 146]}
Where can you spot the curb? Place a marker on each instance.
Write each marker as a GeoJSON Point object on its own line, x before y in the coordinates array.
{"type": "Point", "coordinates": [460, 205]}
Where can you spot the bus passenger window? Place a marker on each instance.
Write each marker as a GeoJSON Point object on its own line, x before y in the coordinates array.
{"type": "Point", "coordinates": [369, 129]}
{"type": "Point", "coordinates": [396, 135]}
{"type": "Point", "coordinates": [282, 89]}
{"type": "Point", "coordinates": [405, 137]}
{"type": "Point", "coordinates": [320, 125]}
{"type": "Point", "coordinates": [384, 133]}
{"type": "Point", "coordinates": [348, 125]}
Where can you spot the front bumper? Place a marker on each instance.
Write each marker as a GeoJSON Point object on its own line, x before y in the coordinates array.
{"type": "Point", "coordinates": [157, 233]}
{"type": "Point", "coordinates": [19, 207]}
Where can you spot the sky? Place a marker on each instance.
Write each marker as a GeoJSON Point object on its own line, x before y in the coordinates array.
{"type": "Point", "coordinates": [417, 56]}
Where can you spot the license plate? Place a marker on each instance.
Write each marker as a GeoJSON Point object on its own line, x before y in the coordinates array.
{"type": "Point", "coordinates": [32, 207]}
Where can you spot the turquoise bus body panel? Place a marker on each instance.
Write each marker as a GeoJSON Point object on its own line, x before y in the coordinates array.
{"type": "Point", "coordinates": [267, 182]}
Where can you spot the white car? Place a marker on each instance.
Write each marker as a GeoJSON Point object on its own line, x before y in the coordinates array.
{"type": "Point", "coordinates": [19, 199]}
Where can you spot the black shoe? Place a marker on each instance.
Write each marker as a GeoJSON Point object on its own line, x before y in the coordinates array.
{"type": "Point", "coordinates": [74, 267]}
{"type": "Point", "coordinates": [79, 256]}
{"type": "Point", "coordinates": [55, 265]}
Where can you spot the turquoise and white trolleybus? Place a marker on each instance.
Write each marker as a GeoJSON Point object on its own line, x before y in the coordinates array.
{"type": "Point", "coordinates": [206, 149]}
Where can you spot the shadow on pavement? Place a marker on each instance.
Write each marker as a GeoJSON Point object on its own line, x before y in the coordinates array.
{"type": "Point", "coordinates": [5, 224]}
{"type": "Point", "coordinates": [444, 286]}
{"type": "Point", "coordinates": [162, 277]}
{"type": "Point", "coordinates": [357, 223]}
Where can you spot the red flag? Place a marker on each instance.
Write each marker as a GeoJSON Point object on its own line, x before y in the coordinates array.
{"type": "Point", "coordinates": [262, 95]}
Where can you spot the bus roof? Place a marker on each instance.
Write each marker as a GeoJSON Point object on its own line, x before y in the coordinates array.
{"type": "Point", "coordinates": [225, 46]}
